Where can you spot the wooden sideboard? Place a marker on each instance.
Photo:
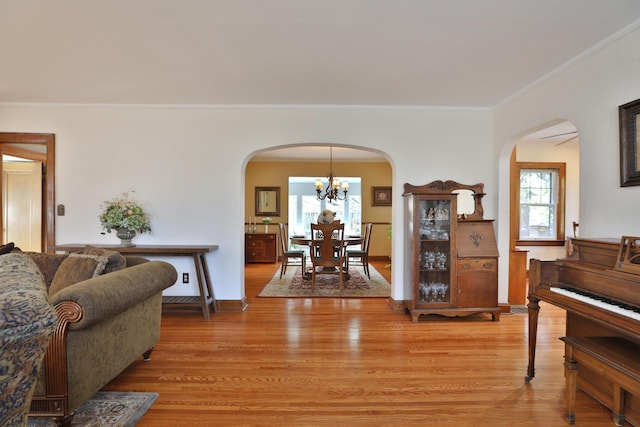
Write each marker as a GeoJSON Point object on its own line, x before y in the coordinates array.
{"type": "Point", "coordinates": [261, 247]}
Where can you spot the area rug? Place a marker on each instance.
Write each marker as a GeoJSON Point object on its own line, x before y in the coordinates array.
{"type": "Point", "coordinates": [292, 285]}
{"type": "Point", "coordinates": [106, 409]}
{"type": "Point", "coordinates": [519, 309]}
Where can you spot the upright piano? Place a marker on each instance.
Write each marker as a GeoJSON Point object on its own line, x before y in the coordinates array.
{"type": "Point", "coordinates": [598, 285]}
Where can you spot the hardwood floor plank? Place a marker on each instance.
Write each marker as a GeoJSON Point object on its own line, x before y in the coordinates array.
{"type": "Point", "coordinates": [321, 362]}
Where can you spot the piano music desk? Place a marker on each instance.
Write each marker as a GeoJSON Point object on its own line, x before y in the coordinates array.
{"type": "Point", "coordinates": [615, 357]}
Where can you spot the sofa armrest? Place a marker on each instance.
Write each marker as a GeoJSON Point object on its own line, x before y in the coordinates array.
{"type": "Point", "coordinates": [109, 294]}
{"type": "Point", "coordinates": [54, 401]}
{"type": "Point", "coordinates": [134, 260]}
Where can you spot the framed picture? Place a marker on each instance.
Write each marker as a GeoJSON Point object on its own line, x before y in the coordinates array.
{"type": "Point", "coordinates": [380, 196]}
{"type": "Point", "coordinates": [629, 116]}
{"type": "Point", "coordinates": [267, 201]}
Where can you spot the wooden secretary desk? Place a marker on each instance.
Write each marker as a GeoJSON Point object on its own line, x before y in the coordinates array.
{"type": "Point", "coordinates": [453, 257]}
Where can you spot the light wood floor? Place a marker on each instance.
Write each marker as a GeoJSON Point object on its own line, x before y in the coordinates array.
{"type": "Point", "coordinates": [329, 362]}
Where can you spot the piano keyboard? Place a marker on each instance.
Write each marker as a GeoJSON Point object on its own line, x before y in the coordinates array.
{"type": "Point", "coordinates": [610, 305]}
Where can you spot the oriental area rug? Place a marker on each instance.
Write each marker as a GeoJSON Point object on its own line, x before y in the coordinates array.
{"type": "Point", "coordinates": [106, 409]}
{"type": "Point", "coordinates": [292, 285]}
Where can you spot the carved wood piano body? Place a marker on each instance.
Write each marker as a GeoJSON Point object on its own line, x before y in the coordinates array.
{"type": "Point", "coordinates": [600, 300]}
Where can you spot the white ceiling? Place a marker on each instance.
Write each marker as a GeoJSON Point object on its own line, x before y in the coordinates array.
{"type": "Point", "coordinates": [559, 134]}
{"type": "Point", "coordinates": [445, 53]}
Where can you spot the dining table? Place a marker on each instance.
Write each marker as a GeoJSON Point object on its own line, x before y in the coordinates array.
{"type": "Point", "coordinates": [306, 241]}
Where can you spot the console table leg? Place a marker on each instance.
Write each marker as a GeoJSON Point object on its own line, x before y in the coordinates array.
{"type": "Point", "coordinates": [204, 286]}
{"type": "Point", "coordinates": [207, 282]}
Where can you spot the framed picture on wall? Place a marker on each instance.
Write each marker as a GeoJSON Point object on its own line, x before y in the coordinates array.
{"type": "Point", "coordinates": [267, 201]}
{"type": "Point", "coordinates": [629, 117]}
{"type": "Point", "coordinates": [380, 196]}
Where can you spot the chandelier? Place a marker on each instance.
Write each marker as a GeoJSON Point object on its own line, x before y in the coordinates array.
{"type": "Point", "coordinates": [333, 187]}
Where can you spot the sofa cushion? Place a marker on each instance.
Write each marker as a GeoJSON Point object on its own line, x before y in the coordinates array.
{"type": "Point", "coordinates": [115, 260]}
{"type": "Point", "coordinates": [76, 268]}
{"type": "Point", "coordinates": [48, 264]}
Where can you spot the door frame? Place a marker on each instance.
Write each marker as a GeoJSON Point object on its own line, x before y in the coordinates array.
{"type": "Point", "coordinates": [14, 143]}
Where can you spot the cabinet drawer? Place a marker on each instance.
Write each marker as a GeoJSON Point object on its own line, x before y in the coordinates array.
{"type": "Point", "coordinates": [261, 237]}
{"type": "Point", "coordinates": [257, 252]}
{"type": "Point", "coordinates": [256, 245]}
{"type": "Point", "coordinates": [477, 265]}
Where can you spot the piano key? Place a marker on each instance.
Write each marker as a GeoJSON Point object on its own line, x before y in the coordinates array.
{"type": "Point", "coordinates": [596, 301]}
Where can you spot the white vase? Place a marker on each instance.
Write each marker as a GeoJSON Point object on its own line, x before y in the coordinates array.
{"type": "Point", "coordinates": [266, 228]}
{"type": "Point", "coordinates": [125, 236]}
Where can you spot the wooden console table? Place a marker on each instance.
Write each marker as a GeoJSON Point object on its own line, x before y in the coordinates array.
{"type": "Point", "coordinates": [206, 300]}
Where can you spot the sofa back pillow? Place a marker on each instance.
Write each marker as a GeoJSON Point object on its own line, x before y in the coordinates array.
{"type": "Point", "coordinates": [76, 268]}
{"type": "Point", "coordinates": [5, 249]}
{"type": "Point", "coordinates": [48, 264]}
{"type": "Point", "coordinates": [115, 260]}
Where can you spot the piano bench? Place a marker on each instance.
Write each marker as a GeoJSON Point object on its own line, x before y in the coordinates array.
{"type": "Point", "coordinates": [614, 357]}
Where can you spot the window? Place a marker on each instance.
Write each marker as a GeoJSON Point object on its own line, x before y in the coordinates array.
{"type": "Point", "coordinates": [541, 204]}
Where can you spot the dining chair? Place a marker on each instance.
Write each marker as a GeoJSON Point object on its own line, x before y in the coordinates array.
{"type": "Point", "coordinates": [335, 233]}
{"type": "Point", "coordinates": [288, 254]}
{"type": "Point", "coordinates": [363, 253]}
{"type": "Point", "coordinates": [327, 249]}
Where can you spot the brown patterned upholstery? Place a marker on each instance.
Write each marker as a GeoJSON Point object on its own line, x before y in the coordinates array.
{"type": "Point", "coordinates": [27, 320]}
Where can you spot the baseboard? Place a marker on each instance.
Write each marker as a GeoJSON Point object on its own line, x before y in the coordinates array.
{"type": "Point", "coordinates": [397, 306]}
{"type": "Point", "coordinates": [504, 308]}
{"type": "Point", "coordinates": [193, 303]}
{"type": "Point", "coordinates": [233, 305]}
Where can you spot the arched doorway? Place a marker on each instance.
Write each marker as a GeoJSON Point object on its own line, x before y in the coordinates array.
{"type": "Point", "coordinates": [273, 166]}
{"type": "Point", "coordinates": [554, 147]}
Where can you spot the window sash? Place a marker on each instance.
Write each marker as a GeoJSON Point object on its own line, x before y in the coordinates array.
{"type": "Point", "coordinates": [540, 203]}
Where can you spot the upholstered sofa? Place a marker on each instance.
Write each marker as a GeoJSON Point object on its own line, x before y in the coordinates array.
{"type": "Point", "coordinates": [27, 320]}
{"type": "Point", "coordinates": [105, 323]}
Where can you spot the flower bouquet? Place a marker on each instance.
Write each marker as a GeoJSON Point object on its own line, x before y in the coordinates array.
{"type": "Point", "coordinates": [126, 216]}
{"type": "Point", "coordinates": [266, 221]}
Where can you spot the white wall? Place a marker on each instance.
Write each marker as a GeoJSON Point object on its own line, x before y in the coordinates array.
{"type": "Point", "coordinates": [187, 166]}
{"type": "Point", "coordinates": [587, 94]}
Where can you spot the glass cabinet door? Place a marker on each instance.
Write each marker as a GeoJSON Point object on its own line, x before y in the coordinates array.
{"type": "Point", "coordinates": [434, 251]}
